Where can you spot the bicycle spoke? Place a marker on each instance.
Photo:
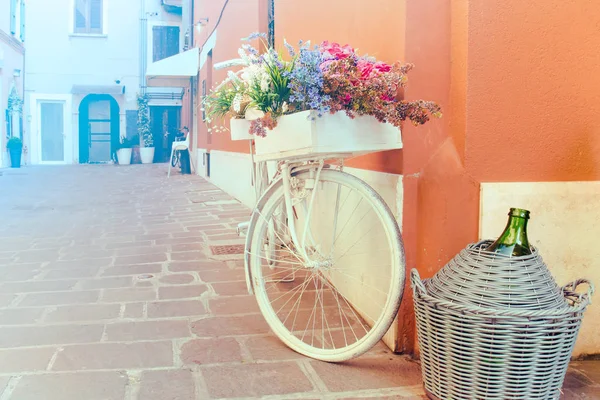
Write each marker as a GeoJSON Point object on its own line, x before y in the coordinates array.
{"type": "Point", "coordinates": [358, 223]}
{"type": "Point", "coordinates": [358, 318]}
{"type": "Point", "coordinates": [279, 237]}
{"type": "Point", "coordinates": [339, 271]}
{"type": "Point", "coordinates": [344, 227]}
{"type": "Point", "coordinates": [356, 241]}
{"type": "Point", "coordinates": [302, 287]}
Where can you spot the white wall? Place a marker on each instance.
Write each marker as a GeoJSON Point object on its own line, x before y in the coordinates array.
{"type": "Point", "coordinates": [11, 58]}
{"type": "Point", "coordinates": [564, 225]}
{"type": "Point", "coordinates": [57, 58]}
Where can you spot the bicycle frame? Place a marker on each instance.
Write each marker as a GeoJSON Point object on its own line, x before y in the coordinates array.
{"type": "Point", "coordinates": [286, 171]}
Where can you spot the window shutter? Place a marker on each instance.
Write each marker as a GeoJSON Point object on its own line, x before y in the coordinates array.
{"type": "Point", "coordinates": [80, 16]}
{"type": "Point", "coordinates": [165, 42]}
{"type": "Point", "coordinates": [172, 42]}
{"type": "Point", "coordinates": [158, 38]}
{"type": "Point", "coordinates": [13, 16]}
{"type": "Point", "coordinates": [22, 33]}
{"type": "Point", "coordinates": [95, 16]}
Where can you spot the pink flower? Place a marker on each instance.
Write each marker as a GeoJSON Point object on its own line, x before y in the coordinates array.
{"type": "Point", "coordinates": [325, 64]}
{"type": "Point", "coordinates": [382, 67]}
{"type": "Point", "coordinates": [368, 69]}
{"type": "Point", "coordinates": [347, 99]}
{"type": "Point", "coordinates": [365, 68]}
{"type": "Point", "coordinates": [336, 51]}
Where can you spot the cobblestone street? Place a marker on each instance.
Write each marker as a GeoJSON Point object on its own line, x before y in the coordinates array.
{"type": "Point", "coordinates": [109, 290]}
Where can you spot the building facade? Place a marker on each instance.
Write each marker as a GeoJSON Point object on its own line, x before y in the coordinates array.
{"type": "Point", "coordinates": [85, 71]}
{"type": "Point", "coordinates": [520, 124]}
{"type": "Point", "coordinates": [12, 53]}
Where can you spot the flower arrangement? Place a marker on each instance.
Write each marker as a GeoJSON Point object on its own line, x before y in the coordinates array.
{"type": "Point", "coordinates": [143, 121]}
{"type": "Point", "coordinates": [326, 78]}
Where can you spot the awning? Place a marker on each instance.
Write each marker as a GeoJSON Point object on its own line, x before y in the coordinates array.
{"type": "Point", "coordinates": [173, 3]}
{"type": "Point", "coordinates": [173, 6]}
{"type": "Point", "coordinates": [98, 89]}
{"type": "Point", "coordinates": [178, 68]}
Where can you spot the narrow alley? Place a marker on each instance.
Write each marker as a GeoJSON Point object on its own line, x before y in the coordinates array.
{"type": "Point", "coordinates": [109, 290]}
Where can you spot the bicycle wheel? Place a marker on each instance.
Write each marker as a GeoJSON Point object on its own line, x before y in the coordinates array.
{"type": "Point", "coordinates": [175, 159]}
{"type": "Point", "coordinates": [342, 302]}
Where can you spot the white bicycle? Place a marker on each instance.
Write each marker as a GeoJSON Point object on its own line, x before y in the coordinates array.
{"type": "Point", "coordinates": [323, 256]}
{"type": "Point", "coordinates": [325, 260]}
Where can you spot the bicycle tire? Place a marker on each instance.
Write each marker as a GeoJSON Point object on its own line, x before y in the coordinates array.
{"type": "Point", "coordinates": [380, 325]}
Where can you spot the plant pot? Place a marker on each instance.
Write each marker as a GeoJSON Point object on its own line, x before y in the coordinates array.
{"type": "Point", "coordinates": [15, 157]}
{"type": "Point", "coordinates": [305, 135]}
{"type": "Point", "coordinates": [124, 156]}
{"type": "Point", "coordinates": [147, 155]}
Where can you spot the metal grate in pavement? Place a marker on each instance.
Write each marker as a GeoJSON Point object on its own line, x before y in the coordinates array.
{"type": "Point", "coordinates": [227, 249]}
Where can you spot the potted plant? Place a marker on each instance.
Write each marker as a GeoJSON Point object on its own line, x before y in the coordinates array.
{"type": "Point", "coordinates": [321, 99]}
{"type": "Point", "coordinates": [15, 148]}
{"type": "Point", "coordinates": [143, 126]}
{"type": "Point", "coordinates": [124, 152]}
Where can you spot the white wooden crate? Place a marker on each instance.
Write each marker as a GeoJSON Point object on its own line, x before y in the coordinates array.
{"type": "Point", "coordinates": [239, 129]}
{"type": "Point", "coordinates": [299, 135]}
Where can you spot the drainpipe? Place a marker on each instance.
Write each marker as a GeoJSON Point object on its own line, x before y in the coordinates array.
{"type": "Point", "coordinates": [143, 46]}
{"type": "Point", "coordinates": [25, 124]}
{"type": "Point", "coordinates": [191, 27]}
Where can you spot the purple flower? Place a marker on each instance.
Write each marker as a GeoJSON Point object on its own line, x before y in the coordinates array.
{"type": "Point", "coordinates": [306, 80]}
{"type": "Point", "coordinates": [256, 35]}
{"type": "Point", "coordinates": [250, 49]}
{"type": "Point", "coordinates": [290, 48]}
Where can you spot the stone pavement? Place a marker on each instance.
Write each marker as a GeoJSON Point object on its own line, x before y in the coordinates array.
{"type": "Point", "coordinates": [109, 290]}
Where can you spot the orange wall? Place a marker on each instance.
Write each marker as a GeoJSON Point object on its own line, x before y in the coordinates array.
{"type": "Point", "coordinates": [534, 90]}
{"type": "Point", "coordinates": [240, 18]}
{"type": "Point", "coordinates": [516, 81]}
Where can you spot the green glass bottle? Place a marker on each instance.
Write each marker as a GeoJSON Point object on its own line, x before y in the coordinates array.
{"type": "Point", "coordinates": [513, 241]}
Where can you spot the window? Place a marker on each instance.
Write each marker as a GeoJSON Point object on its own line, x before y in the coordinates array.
{"type": "Point", "coordinates": [88, 16]}
{"type": "Point", "coordinates": [165, 42]}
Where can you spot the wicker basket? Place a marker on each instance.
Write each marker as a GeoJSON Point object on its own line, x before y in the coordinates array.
{"type": "Point", "coordinates": [496, 327]}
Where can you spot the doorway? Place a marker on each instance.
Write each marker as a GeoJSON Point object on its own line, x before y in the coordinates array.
{"type": "Point", "coordinates": [164, 122]}
{"type": "Point", "coordinates": [52, 131]}
{"type": "Point", "coordinates": [99, 129]}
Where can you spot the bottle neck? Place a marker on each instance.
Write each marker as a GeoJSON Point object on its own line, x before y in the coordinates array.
{"type": "Point", "coordinates": [515, 231]}
{"type": "Point", "coordinates": [513, 240]}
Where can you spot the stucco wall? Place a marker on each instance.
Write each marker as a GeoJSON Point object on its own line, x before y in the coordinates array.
{"type": "Point", "coordinates": [564, 227]}
{"type": "Point", "coordinates": [238, 21]}
{"type": "Point", "coordinates": [75, 59]}
{"type": "Point", "coordinates": [78, 59]}
{"type": "Point", "coordinates": [517, 86]}
{"type": "Point", "coordinates": [11, 58]}
{"type": "Point", "coordinates": [533, 93]}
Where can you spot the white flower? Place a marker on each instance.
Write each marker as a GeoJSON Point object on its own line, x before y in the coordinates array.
{"type": "Point", "coordinates": [237, 102]}
{"type": "Point", "coordinates": [284, 107]}
{"type": "Point", "coordinates": [249, 74]}
{"type": "Point", "coordinates": [264, 83]}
